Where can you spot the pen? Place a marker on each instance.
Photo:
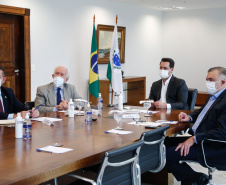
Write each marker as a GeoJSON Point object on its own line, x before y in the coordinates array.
{"type": "Point", "coordinates": [39, 150]}
{"type": "Point", "coordinates": [35, 109]}
{"type": "Point", "coordinates": [109, 132]}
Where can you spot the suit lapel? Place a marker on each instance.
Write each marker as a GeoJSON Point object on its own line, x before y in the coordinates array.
{"type": "Point", "coordinates": [5, 100]}
{"type": "Point", "coordinates": [50, 94]}
{"type": "Point", "coordinates": [66, 92]}
{"type": "Point", "coordinates": [159, 90]}
{"type": "Point", "coordinates": [216, 101]}
{"type": "Point", "coordinates": [170, 86]}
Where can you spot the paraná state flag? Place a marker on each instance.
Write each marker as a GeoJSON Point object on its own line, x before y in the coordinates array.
{"type": "Point", "coordinates": [114, 72]}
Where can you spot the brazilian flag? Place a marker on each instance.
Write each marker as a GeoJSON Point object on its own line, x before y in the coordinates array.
{"type": "Point", "coordinates": [93, 72]}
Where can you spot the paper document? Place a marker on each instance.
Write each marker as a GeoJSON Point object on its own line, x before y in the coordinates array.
{"type": "Point", "coordinates": [150, 112]}
{"type": "Point", "coordinates": [42, 118]}
{"type": "Point", "coordinates": [7, 121]}
{"type": "Point", "coordinates": [152, 124]}
{"type": "Point", "coordinates": [146, 101]}
{"type": "Point", "coordinates": [53, 149]}
{"type": "Point", "coordinates": [118, 131]}
{"type": "Point", "coordinates": [166, 121]}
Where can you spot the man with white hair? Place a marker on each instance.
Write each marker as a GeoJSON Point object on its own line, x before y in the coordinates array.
{"type": "Point", "coordinates": [55, 95]}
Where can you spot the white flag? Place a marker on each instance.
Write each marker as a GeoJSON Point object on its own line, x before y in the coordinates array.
{"type": "Point", "coordinates": [114, 65]}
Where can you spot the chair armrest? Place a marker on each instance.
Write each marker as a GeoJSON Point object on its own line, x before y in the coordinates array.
{"type": "Point", "coordinates": [203, 150]}
{"type": "Point", "coordinates": [83, 178]}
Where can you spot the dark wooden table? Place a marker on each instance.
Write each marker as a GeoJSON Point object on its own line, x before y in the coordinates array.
{"type": "Point", "coordinates": [21, 164]}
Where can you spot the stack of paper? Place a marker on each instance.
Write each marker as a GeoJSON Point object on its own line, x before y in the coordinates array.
{"type": "Point", "coordinates": [53, 149]}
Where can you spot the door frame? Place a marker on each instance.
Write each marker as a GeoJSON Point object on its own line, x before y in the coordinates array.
{"type": "Point", "coordinates": [27, 50]}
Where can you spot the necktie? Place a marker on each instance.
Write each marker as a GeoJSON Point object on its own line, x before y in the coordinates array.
{"type": "Point", "coordinates": [58, 96]}
{"type": "Point", "coordinates": [1, 108]}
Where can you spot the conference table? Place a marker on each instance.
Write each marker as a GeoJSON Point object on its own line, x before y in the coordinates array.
{"type": "Point", "coordinates": [22, 164]}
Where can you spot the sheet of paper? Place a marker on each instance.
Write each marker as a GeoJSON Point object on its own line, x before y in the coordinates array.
{"type": "Point", "coordinates": [151, 112]}
{"type": "Point", "coordinates": [146, 101]}
{"type": "Point", "coordinates": [53, 149]}
{"type": "Point", "coordinates": [7, 121]}
{"type": "Point", "coordinates": [166, 121]}
{"type": "Point", "coordinates": [118, 131]}
{"type": "Point", "coordinates": [62, 111]}
{"type": "Point", "coordinates": [48, 118]}
{"type": "Point", "coordinates": [130, 116]}
{"type": "Point", "coordinates": [152, 124]}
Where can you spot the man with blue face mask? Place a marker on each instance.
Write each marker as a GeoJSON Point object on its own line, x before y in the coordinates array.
{"type": "Point", "coordinates": [55, 96]}
{"type": "Point", "coordinates": [170, 92]}
{"type": "Point", "coordinates": [209, 123]}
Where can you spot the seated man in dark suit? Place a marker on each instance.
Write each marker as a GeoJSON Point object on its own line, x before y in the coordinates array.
{"type": "Point", "coordinates": [170, 92]}
{"type": "Point", "coordinates": [9, 105]}
{"type": "Point", "coordinates": [209, 123]}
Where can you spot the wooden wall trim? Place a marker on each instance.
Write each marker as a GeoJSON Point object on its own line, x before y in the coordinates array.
{"type": "Point", "coordinates": [27, 57]}
{"type": "Point", "coordinates": [14, 10]}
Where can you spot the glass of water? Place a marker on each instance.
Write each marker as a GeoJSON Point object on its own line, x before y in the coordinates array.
{"type": "Point", "coordinates": [118, 118]}
{"type": "Point", "coordinates": [147, 105]}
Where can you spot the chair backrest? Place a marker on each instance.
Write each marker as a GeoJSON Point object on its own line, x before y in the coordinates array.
{"type": "Point", "coordinates": [152, 155]}
{"type": "Point", "coordinates": [120, 166]}
{"type": "Point", "coordinates": [29, 104]}
{"type": "Point", "coordinates": [214, 154]}
{"type": "Point", "coordinates": [192, 95]}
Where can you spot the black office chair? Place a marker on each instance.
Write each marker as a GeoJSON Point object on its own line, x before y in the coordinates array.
{"type": "Point", "coordinates": [152, 155]}
{"type": "Point", "coordinates": [29, 105]}
{"type": "Point", "coordinates": [212, 160]}
{"type": "Point", "coordinates": [192, 95]}
{"type": "Point", "coordinates": [119, 166]}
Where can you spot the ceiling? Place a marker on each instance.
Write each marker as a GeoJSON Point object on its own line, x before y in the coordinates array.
{"type": "Point", "coordinates": [169, 5]}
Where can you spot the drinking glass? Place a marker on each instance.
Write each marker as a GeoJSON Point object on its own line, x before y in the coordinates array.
{"type": "Point", "coordinates": [118, 117]}
{"type": "Point", "coordinates": [147, 105]}
{"type": "Point", "coordinates": [80, 105]}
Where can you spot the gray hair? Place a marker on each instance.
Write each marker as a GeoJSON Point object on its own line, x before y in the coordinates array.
{"type": "Point", "coordinates": [68, 73]}
{"type": "Point", "coordinates": [221, 71]}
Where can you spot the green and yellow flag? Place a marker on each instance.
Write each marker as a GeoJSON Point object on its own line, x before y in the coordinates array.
{"type": "Point", "coordinates": [93, 72]}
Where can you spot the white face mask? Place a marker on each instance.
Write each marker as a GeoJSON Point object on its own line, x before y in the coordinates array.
{"type": "Point", "coordinates": [164, 74]}
{"type": "Point", "coordinates": [58, 81]}
{"type": "Point", "coordinates": [211, 88]}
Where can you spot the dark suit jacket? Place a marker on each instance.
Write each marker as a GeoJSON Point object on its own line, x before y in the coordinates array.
{"type": "Point", "coordinates": [11, 104]}
{"type": "Point", "coordinates": [212, 126]}
{"type": "Point", "coordinates": [176, 95]}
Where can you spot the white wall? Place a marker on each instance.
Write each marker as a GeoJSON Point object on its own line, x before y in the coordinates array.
{"type": "Point", "coordinates": [196, 40]}
{"type": "Point", "coordinates": [61, 32]}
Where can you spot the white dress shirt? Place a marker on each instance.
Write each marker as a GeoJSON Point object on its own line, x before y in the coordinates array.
{"type": "Point", "coordinates": [164, 91]}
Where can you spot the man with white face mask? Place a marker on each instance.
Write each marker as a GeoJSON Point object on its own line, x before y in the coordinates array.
{"type": "Point", "coordinates": [170, 92]}
{"type": "Point", "coordinates": [9, 105]}
{"type": "Point", "coordinates": [55, 96]}
{"type": "Point", "coordinates": [209, 123]}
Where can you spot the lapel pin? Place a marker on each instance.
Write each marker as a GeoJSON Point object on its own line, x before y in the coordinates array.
{"type": "Point", "coordinates": [5, 96]}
